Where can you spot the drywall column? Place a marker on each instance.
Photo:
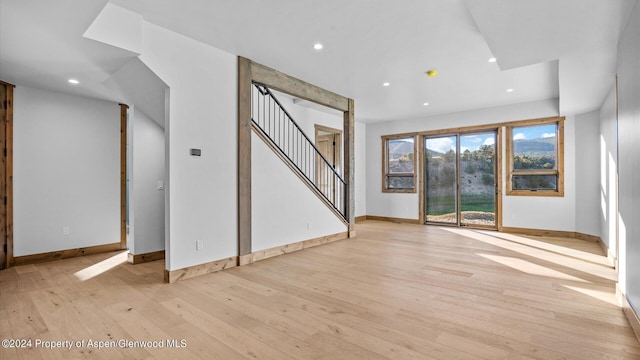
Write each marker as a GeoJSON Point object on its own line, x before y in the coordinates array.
{"type": "Point", "coordinates": [146, 228]}
{"type": "Point", "coordinates": [628, 160]}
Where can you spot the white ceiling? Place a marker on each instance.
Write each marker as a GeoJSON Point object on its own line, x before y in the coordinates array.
{"type": "Point", "coordinates": [545, 48]}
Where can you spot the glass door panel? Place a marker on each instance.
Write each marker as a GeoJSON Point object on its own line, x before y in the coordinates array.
{"type": "Point", "coordinates": [478, 179]}
{"type": "Point", "coordinates": [441, 179]}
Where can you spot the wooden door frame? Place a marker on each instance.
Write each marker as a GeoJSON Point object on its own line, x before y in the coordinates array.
{"type": "Point", "coordinates": [248, 72]}
{"type": "Point", "coordinates": [338, 148]}
{"type": "Point", "coordinates": [7, 187]}
{"type": "Point", "coordinates": [6, 183]}
{"type": "Point", "coordinates": [420, 169]}
{"type": "Point", "coordinates": [124, 109]}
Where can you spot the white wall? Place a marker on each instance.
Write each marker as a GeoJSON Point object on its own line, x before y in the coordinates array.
{"type": "Point", "coordinates": [629, 159]}
{"type": "Point", "coordinates": [284, 210]}
{"type": "Point", "coordinates": [587, 184]}
{"type": "Point", "coordinates": [307, 118]}
{"type": "Point", "coordinates": [146, 201]}
{"type": "Point", "coordinates": [202, 191]}
{"type": "Point", "coordinates": [526, 212]}
{"type": "Point", "coordinates": [608, 188]}
{"type": "Point", "coordinates": [66, 171]}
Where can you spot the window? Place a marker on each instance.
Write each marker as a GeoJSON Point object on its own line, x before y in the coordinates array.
{"type": "Point", "coordinates": [535, 153]}
{"type": "Point", "coordinates": [399, 164]}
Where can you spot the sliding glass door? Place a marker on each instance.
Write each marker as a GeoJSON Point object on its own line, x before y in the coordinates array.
{"type": "Point", "coordinates": [441, 179]}
{"type": "Point", "coordinates": [460, 179]}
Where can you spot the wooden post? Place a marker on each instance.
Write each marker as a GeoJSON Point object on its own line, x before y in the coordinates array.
{"type": "Point", "coordinates": [244, 158]}
{"type": "Point", "coordinates": [349, 164]}
{"type": "Point", "coordinates": [249, 71]}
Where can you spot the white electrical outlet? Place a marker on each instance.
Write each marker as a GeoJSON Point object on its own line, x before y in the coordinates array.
{"type": "Point", "coordinates": [308, 226]}
{"type": "Point", "coordinates": [66, 230]}
{"type": "Point", "coordinates": [198, 245]}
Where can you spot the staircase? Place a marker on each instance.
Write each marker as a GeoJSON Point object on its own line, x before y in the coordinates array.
{"type": "Point", "coordinates": [276, 127]}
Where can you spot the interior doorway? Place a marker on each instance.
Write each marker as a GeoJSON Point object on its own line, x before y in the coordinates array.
{"type": "Point", "coordinates": [328, 141]}
{"type": "Point", "coordinates": [461, 179]}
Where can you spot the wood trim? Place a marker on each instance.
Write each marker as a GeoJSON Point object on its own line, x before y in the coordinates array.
{"type": "Point", "coordinates": [400, 135]}
{"type": "Point", "coordinates": [349, 166]}
{"type": "Point", "coordinates": [290, 85]}
{"type": "Point", "coordinates": [591, 238]}
{"type": "Point", "coordinates": [360, 219]}
{"type": "Point", "coordinates": [555, 233]}
{"type": "Point", "coordinates": [145, 258]}
{"type": "Point", "coordinates": [328, 129]}
{"type": "Point", "coordinates": [421, 178]}
{"type": "Point", "coordinates": [248, 72]}
{"type": "Point", "coordinates": [473, 128]}
{"type": "Point", "coordinates": [171, 276]}
{"type": "Point", "coordinates": [65, 254]}
{"type": "Point", "coordinates": [461, 130]}
{"type": "Point", "coordinates": [394, 220]}
{"type": "Point", "coordinates": [7, 176]}
{"type": "Point", "coordinates": [337, 156]}
{"type": "Point", "coordinates": [631, 315]}
{"type": "Point", "coordinates": [385, 163]}
{"type": "Point", "coordinates": [538, 232]}
{"type": "Point", "coordinates": [289, 248]}
{"type": "Point", "coordinates": [610, 255]}
{"type": "Point", "coordinates": [123, 175]}
{"type": "Point", "coordinates": [559, 162]}
{"type": "Point", "coordinates": [3, 179]}
{"type": "Point", "coordinates": [244, 156]}
{"type": "Point", "coordinates": [499, 178]}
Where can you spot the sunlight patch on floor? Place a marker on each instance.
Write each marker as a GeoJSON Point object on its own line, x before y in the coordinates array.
{"type": "Point", "coordinates": [530, 268]}
{"type": "Point", "coordinates": [606, 296]}
{"type": "Point", "coordinates": [101, 267]}
{"type": "Point", "coordinates": [600, 259]}
{"type": "Point", "coordinates": [557, 257]}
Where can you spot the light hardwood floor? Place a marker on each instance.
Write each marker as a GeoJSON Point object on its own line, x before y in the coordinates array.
{"type": "Point", "coordinates": [394, 292]}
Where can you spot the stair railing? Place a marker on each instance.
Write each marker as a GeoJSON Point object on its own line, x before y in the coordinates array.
{"type": "Point", "coordinates": [276, 124]}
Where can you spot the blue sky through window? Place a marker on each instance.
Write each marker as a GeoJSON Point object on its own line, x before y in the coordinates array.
{"type": "Point", "coordinates": [473, 142]}
{"type": "Point", "coordinates": [467, 142]}
{"type": "Point", "coordinates": [534, 132]}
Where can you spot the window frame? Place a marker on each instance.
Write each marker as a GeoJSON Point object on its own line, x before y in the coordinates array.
{"type": "Point", "coordinates": [559, 171]}
{"type": "Point", "coordinates": [385, 164]}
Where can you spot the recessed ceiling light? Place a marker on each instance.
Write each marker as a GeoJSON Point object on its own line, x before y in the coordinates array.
{"type": "Point", "coordinates": [425, 104]}
{"type": "Point", "coordinates": [318, 46]}
{"type": "Point", "coordinates": [73, 81]}
{"type": "Point", "coordinates": [492, 60]}
{"type": "Point", "coordinates": [386, 84]}
{"type": "Point", "coordinates": [509, 90]}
